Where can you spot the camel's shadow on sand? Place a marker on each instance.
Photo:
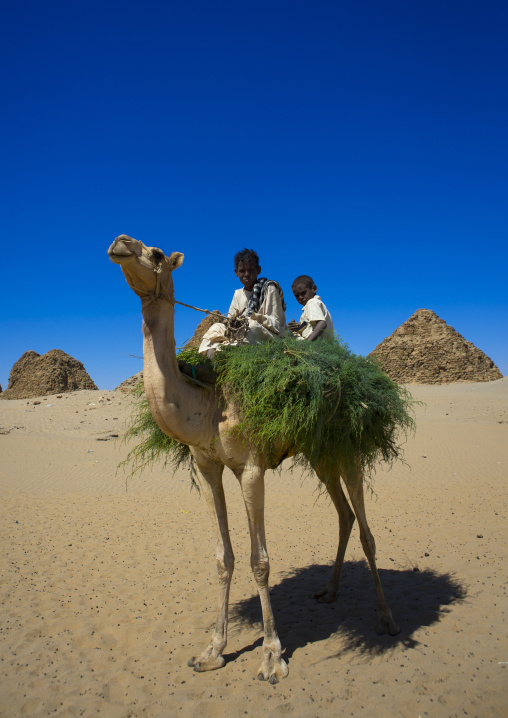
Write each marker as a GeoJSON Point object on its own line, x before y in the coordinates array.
{"type": "Point", "coordinates": [418, 598]}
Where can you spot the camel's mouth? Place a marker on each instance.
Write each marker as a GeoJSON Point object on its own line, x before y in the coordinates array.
{"type": "Point", "coordinates": [119, 252]}
{"type": "Point", "coordinates": [118, 257]}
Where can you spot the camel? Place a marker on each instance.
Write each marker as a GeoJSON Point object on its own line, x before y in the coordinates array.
{"type": "Point", "coordinates": [202, 418]}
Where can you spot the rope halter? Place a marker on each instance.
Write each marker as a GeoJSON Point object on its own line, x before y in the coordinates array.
{"type": "Point", "coordinates": [157, 257]}
{"type": "Point", "coordinates": [157, 268]}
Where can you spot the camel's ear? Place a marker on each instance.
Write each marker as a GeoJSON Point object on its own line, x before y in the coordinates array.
{"type": "Point", "coordinates": [175, 260]}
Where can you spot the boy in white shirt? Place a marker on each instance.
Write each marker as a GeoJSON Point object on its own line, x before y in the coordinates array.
{"type": "Point", "coordinates": [260, 300]}
{"type": "Point", "coordinates": [315, 320]}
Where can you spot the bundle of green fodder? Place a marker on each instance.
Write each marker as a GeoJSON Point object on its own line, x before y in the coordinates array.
{"type": "Point", "coordinates": [329, 405]}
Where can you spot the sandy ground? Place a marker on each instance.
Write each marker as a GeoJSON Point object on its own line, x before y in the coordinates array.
{"type": "Point", "coordinates": [108, 586]}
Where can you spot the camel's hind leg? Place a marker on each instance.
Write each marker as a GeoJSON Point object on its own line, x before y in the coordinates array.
{"type": "Point", "coordinates": [354, 485]}
{"type": "Point", "coordinates": [346, 521]}
{"type": "Point", "coordinates": [210, 480]}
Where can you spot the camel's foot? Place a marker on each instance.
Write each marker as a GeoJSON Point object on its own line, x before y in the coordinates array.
{"type": "Point", "coordinates": [328, 594]}
{"type": "Point", "coordinates": [274, 668]}
{"type": "Point", "coordinates": [386, 623]}
{"type": "Point", "coordinates": [209, 660]}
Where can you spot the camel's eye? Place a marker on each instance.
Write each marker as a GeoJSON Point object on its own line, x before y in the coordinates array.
{"type": "Point", "coordinates": [157, 255]}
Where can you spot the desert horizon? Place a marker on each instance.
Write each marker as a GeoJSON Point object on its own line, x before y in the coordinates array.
{"type": "Point", "coordinates": [424, 349]}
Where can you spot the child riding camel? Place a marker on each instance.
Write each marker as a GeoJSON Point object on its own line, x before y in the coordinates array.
{"type": "Point", "coordinates": [260, 302]}
{"type": "Point", "coordinates": [315, 320]}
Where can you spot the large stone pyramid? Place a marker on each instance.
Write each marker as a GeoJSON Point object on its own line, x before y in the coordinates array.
{"type": "Point", "coordinates": [52, 373]}
{"type": "Point", "coordinates": [425, 350]}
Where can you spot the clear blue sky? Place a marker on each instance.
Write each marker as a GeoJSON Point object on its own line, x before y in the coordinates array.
{"type": "Point", "coordinates": [361, 142]}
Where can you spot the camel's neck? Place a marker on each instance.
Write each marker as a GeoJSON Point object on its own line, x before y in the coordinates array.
{"type": "Point", "coordinates": [174, 402]}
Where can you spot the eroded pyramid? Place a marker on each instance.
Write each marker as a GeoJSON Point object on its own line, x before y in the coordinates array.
{"type": "Point", "coordinates": [128, 384]}
{"type": "Point", "coordinates": [203, 327]}
{"type": "Point", "coordinates": [52, 373]}
{"type": "Point", "coordinates": [425, 350]}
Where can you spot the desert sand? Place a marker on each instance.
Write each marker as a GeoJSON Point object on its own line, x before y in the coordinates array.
{"type": "Point", "coordinates": [108, 583]}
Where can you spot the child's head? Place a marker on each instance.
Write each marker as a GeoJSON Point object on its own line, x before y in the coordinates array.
{"type": "Point", "coordinates": [304, 289]}
{"type": "Point", "coordinates": [247, 267]}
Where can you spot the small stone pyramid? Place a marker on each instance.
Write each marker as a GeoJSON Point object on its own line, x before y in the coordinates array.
{"type": "Point", "coordinates": [425, 350]}
{"type": "Point", "coordinates": [52, 373]}
{"type": "Point", "coordinates": [203, 327]}
{"type": "Point", "coordinates": [128, 384]}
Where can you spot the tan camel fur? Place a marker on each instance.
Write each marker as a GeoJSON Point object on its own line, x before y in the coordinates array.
{"type": "Point", "coordinates": [195, 416]}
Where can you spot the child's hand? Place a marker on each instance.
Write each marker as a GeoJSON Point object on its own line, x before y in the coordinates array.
{"type": "Point", "coordinates": [293, 326]}
{"type": "Point", "coordinates": [260, 319]}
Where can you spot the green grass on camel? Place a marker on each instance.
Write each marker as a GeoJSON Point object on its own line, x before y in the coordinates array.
{"type": "Point", "coordinates": [330, 405]}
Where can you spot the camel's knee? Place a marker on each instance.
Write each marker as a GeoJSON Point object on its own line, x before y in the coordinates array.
{"type": "Point", "coordinates": [261, 569]}
{"type": "Point", "coordinates": [225, 567]}
{"type": "Point", "coordinates": [346, 521]}
{"type": "Point", "coordinates": [368, 543]}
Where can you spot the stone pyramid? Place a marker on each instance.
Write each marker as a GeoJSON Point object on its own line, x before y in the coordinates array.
{"type": "Point", "coordinates": [52, 373]}
{"type": "Point", "coordinates": [128, 384]}
{"type": "Point", "coordinates": [203, 327]}
{"type": "Point", "coordinates": [425, 350]}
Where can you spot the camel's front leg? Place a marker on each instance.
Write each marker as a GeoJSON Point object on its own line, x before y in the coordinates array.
{"type": "Point", "coordinates": [273, 667]}
{"type": "Point", "coordinates": [210, 480]}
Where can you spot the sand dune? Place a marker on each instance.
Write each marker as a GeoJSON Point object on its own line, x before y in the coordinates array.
{"type": "Point", "coordinates": [108, 585]}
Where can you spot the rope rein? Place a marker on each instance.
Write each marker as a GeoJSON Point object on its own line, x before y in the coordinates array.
{"type": "Point", "coordinates": [205, 311]}
{"type": "Point", "coordinates": [154, 296]}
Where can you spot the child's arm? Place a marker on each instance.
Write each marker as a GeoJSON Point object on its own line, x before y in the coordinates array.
{"type": "Point", "coordinates": [272, 317]}
{"type": "Point", "coordinates": [318, 317]}
{"type": "Point", "coordinates": [318, 329]}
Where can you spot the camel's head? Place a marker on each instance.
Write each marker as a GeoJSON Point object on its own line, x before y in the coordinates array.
{"type": "Point", "coordinates": [146, 269]}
